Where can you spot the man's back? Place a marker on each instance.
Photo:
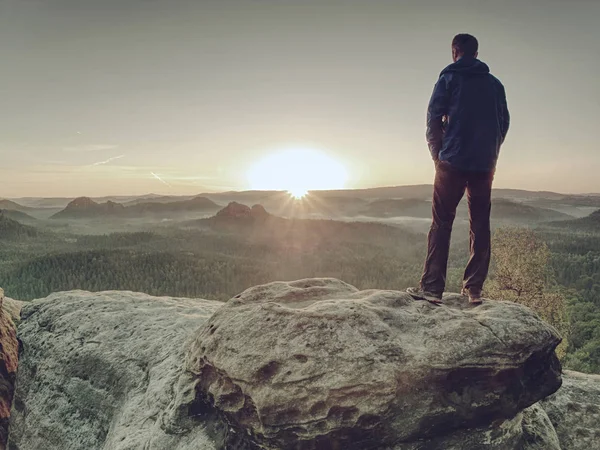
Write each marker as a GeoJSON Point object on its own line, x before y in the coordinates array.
{"type": "Point", "coordinates": [470, 105]}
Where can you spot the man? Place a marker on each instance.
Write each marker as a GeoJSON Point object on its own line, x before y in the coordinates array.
{"type": "Point", "coordinates": [467, 121]}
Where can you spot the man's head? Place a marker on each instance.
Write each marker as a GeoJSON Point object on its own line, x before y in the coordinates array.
{"type": "Point", "coordinates": [464, 45]}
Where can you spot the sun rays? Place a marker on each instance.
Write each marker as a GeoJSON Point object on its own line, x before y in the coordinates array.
{"type": "Point", "coordinates": [297, 171]}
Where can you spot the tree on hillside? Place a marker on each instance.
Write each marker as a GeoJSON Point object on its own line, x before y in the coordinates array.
{"type": "Point", "coordinates": [522, 273]}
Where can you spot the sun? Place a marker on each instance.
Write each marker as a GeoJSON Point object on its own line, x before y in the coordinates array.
{"type": "Point", "coordinates": [298, 193]}
{"type": "Point", "coordinates": [297, 171]}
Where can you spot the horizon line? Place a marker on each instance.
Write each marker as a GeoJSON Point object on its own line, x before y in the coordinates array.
{"type": "Point", "coordinates": [542, 191]}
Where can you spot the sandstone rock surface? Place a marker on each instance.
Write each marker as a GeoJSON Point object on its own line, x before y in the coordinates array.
{"type": "Point", "coordinates": [575, 411]}
{"type": "Point", "coordinates": [98, 371]}
{"type": "Point", "coordinates": [368, 370]}
{"type": "Point", "coordinates": [529, 430]}
{"type": "Point", "coordinates": [12, 308]}
{"type": "Point", "coordinates": [317, 364]}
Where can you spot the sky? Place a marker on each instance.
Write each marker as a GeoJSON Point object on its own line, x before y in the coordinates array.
{"type": "Point", "coordinates": [185, 96]}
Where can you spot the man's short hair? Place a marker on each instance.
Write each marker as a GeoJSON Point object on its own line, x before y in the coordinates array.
{"type": "Point", "coordinates": [465, 44]}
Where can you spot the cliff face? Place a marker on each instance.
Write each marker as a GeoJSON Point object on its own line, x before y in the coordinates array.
{"type": "Point", "coordinates": [9, 350]}
{"type": "Point", "coordinates": [575, 411]}
{"type": "Point", "coordinates": [312, 364]}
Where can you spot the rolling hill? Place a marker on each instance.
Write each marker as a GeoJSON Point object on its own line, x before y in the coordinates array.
{"type": "Point", "coordinates": [406, 207]}
{"type": "Point", "coordinates": [508, 210]}
{"type": "Point", "coordinates": [13, 206]}
{"type": "Point", "coordinates": [502, 210]}
{"type": "Point", "coordinates": [589, 223]}
{"type": "Point", "coordinates": [571, 200]}
{"type": "Point", "coordinates": [11, 229]}
{"type": "Point", "coordinates": [18, 216]}
{"type": "Point", "coordinates": [195, 204]}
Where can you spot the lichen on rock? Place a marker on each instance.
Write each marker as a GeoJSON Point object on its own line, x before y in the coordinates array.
{"type": "Point", "coordinates": [98, 371]}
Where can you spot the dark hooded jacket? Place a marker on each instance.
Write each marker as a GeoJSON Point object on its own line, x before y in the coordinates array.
{"type": "Point", "coordinates": [467, 118]}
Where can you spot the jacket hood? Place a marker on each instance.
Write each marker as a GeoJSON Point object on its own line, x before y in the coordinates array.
{"type": "Point", "coordinates": [467, 66]}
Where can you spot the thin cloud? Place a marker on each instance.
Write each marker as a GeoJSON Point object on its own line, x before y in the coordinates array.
{"type": "Point", "coordinates": [193, 178]}
{"type": "Point", "coordinates": [160, 179]}
{"type": "Point", "coordinates": [108, 160]}
{"type": "Point", "coordinates": [89, 148]}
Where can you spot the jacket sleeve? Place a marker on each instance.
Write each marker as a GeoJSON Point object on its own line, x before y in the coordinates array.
{"type": "Point", "coordinates": [437, 110]}
{"type": "Point", "coordinates": [503, 114]}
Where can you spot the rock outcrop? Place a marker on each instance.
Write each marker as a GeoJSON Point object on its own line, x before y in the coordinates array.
{"type": "Point", "coordinates": [85, 207]}
{"type": "Point", "coordinates": [317, 361]}
{"type": "Point", "coordinates": [235, 210]}
{"type": "Point", "coordinates": [311, 364]}
{"type": "Point", "coordinates": [9, 353]}
{"type": "Point", "coordinates": [575, 411]}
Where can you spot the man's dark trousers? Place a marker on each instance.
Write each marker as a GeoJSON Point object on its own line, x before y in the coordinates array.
{"type": "Point", "coordinates": [449, 187]}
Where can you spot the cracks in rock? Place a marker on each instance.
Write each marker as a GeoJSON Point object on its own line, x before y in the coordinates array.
{"type": "Point", "coordinates": [491, 331]}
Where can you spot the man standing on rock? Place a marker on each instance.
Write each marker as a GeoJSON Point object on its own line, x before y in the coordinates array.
{"type": "Point", "coordinates": [467, 121]}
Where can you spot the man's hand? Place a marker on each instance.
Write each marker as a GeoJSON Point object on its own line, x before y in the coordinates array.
{"type": "Point", "coordinates": [437, 115]}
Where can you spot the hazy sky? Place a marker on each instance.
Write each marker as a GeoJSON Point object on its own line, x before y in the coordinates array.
{"type": "Point", "coordinates": [112, 96]}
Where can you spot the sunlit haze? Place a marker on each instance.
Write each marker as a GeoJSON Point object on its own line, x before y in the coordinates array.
{"type": "Point", "coordinates": [297, 171]}
{"type": "Point", "coordinates": [183, 97]}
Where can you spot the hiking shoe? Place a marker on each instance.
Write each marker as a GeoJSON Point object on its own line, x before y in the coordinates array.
{"type": "Point", "coordinates": [474, 296]}
{"type": "Point", "coordinates": [420, 294]}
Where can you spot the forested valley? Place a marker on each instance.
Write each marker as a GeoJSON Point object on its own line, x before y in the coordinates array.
{"type": "Point", "coordinates": [217, 257]}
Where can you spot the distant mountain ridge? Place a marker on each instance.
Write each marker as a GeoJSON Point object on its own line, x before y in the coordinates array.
{"type": "Point", "coordinates": [85, 207]}
{"type": "Point", "coordinates": [423, 191]}
{"type": "Point", "coordinates": [379, 203]}
{"type": "Point", "coordinates": [502, 208]}
{"type": "Point", "coordinates": [259, 226]}
{"type": "Point", "coordinates": [158, 199]}
{"type": "Point", "coordinates": [193, 204]}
